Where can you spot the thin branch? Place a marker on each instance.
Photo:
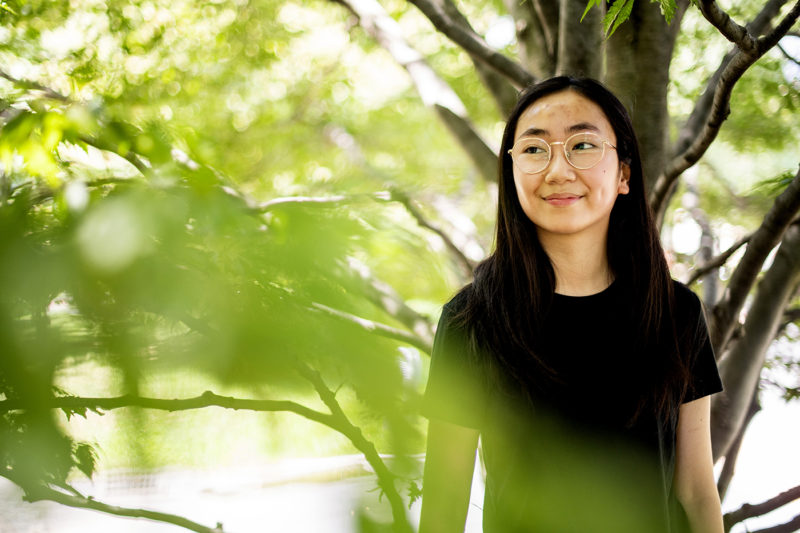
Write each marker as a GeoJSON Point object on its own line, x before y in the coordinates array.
{"type": "Point", "coordinates": [39, 493]}
{"type": "Point", "coordinates": [340, 199]}
{"type": "Point", "coordinates": [207, 399]}
{"type": "Point", "coordinates": [784, 26]}
{"type": "Point", "coordinates": [791, 315]}
{"type": "Point", "coordinates": [356, 437]}
{"type": "Point", "coordinates": [788, 55]}
{"type": "Point", "coordinates": [792, 526]}
{"type": "Point", "coordinates": [549, 25]}
{"type": "Point", "coordinates": [383, 296]}
{"type": "Point", "coordinates": [482, 156]}
{"type": "Point", "coordinates": [467, 265]}
{"type": "Point", "coordinates": [132, 157]}
{"type": "Point", "coordinates": [751, 510]}
{"type": "Point", "coordinates": [433, 90]}
{"type": "Point", "coordinates": [27, 84]}
{"type": "Point", "coordinates": [383, 196]}
{"type": "Point", "coordinates": [763, 240]}
{"type": "Point", "coordinates": [376, 327]}
{"type": "Point", "coordinates": [717, 261]}
{"type": "Point", "coordinates": [475, 45]}
{"type": "Point", "coordinates": [503, 92]}
{"type": "Point", "coordinates": [697, 125]}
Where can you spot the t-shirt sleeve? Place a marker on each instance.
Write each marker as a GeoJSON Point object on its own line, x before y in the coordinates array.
{"type": "Point", "coordinates": [705, 378]}
{"type": "Point", "coordinates": [455, 388]}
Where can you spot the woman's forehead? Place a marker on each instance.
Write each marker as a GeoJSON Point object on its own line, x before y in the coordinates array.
{"type": "Point", "coordinates": [561, 114]}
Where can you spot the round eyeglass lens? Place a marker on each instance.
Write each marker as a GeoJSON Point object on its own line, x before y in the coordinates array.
{"type": "Point", "coordinates": [584, 150]}
{"type": "Point", "coordinates": [531, 155]}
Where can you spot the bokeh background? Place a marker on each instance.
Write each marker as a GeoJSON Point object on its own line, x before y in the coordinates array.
{"type": "Point", "coordinates": [227, 228]}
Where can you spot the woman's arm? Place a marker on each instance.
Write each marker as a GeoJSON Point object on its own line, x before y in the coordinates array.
{"type": "Point", "coordinates": [449, 464]}
{"type": "Point", "coordinates": [694, 474]}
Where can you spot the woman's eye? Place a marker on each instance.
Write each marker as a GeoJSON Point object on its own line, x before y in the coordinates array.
{"type": "Point", "coordinates": [535, 150]}
{"type": "Point", "coordinates": [585, 145]}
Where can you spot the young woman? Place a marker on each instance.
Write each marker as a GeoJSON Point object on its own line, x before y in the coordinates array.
{"type": "Point", "coordinates": [585, 370]}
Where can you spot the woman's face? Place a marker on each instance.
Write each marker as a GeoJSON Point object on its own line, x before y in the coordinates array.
{"type": "Point", "coordinates": [561, 199]}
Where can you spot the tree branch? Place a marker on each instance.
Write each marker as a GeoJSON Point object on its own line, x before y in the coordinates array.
{"type": "Point", "coordinates": [376, 327]}
{"type": "Point", "coordinates": [751, 510]}
{"type": "Point", "coordinates": [433, 90]}
{"type": "Point", "coordinates": [356, 437]}
{"type": "Point", "coordinates": [763, 240]}
{"type": "Point", "coordinates": [717, 261]}
{"type": "Point", "coordinates": [26, 84]}
{"type": "Point", "coordinates": [503, 92]}
{"type": "Point", "coordinates": [207, 399]}
{"type": "Point", "coordinates": [466, 264]}
{"type": "Point", "coordinates": [788, 55]}
{"type": "Point", "coordinates": [482, 156]}
{"type": "Point", "coordinates": [705, 253]}
{"type": "Point", "coordinates": [39, 493]}
{"type": "Point", "coordinates": [474, 45]}
{"type": "Point", "coordinates": [729, 468]}
{"type": "Point", "coordinates": [386, 298]}
{"type": "Point", "coordinates": [792, 526]}
{"type": "Point", "coordinates": [784, 26]}
{"type": "Point", "coordinates": [741, 366]}
{"type": "Point", "coordinates": [789, 316]}
{"type": "Point", "coordinates": [340, 199]}
{"type": "Point", "coordinates": [732, 31]}
{"type": "Point", "coordinates": [698, 124]}
{"type": "Point", "coordinates": [384, 196]}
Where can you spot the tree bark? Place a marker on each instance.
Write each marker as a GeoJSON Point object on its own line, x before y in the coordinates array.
{"type": "Point", "coordinates": [724, 315]}
{"type": "Point", "coordinates": [751, 510]}
{"type": "Point", "coordinates": [638, 57]}
{"type": "Point", "coordinates": [729, 468]}
{"type": "Point", "coordinates": [504, 94]}
{"type": "Point", "coordinates": [580, 43]}
{"type": "Point", "coordinates": [536, 24]}
{"type": "Point", "coordinates": [741, 366]}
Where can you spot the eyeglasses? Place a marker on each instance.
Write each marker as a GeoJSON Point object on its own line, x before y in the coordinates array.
{"type": "Point", "coordinates": [582, 150]}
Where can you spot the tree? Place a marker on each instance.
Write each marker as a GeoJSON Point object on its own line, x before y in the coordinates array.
{"type": "Point", "coordinates": [192, 182]}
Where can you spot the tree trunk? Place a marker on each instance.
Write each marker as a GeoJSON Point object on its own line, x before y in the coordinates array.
{"type": "Point", "coordinates": [741, 366]}
{"type": "Point", "coordinates": [637, 70]}
{"type": "Point", "coordinates": [580, 43]}
{"type": "Point", "coordinates": [537, 34]}
{"type": "Point", "coordinates": [729, 468]}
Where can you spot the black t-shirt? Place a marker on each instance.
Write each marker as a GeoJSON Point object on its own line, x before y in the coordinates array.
{"type": "Point", "coordinates": [568, 459]}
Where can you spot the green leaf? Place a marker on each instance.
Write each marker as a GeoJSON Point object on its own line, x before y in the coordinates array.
{"type": "Point", "coordinates": [668, 8]}
{"type": "Point", "coordinates": [590, 5]}
{"type": "Point", "coordinates": [85, 459]}
{"type": "Point", "coordinates": [618, 13]}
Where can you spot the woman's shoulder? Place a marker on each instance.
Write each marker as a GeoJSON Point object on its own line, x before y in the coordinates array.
{"type": "Point", "coordinates": [685, 298]}
{"type": "Point", "coordinates": [459, 301]}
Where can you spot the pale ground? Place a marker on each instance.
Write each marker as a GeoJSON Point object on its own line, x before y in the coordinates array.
{"type": "Point", "coordinates": [325, 495]}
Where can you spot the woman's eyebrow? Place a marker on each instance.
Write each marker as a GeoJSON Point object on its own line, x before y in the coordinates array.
{"type": "Point", "coordinates": [580, 126]}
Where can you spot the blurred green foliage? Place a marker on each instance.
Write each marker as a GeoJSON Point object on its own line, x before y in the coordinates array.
{"type": "Point", "coordinates": [133, 239]}
{"type": "Point", "coordinates": [141, 143]}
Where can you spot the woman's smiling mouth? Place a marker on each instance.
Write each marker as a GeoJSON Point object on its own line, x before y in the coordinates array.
{"type": "Point", "coordinates": [562, 198]}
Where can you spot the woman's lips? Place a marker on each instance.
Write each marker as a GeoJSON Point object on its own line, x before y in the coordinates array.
{"type": "Point", "coordinates": [562, 199]}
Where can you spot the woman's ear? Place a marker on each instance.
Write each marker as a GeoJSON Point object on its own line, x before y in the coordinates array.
{"type": "Point", "coordinates": [624, 178]}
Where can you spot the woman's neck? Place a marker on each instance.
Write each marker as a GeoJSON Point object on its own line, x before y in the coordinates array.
{"type": "Point", "coordinates": [580, 265]}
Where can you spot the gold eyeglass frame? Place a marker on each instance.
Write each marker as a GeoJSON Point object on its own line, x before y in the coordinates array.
{"type": "Point", "coordinates": [564, 148]}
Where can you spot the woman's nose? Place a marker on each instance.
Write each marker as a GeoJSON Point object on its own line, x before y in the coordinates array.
{"type": "Point", "coordinates": [559, 170]}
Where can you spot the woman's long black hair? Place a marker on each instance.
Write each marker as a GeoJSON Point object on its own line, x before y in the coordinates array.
{"type": "Point", "coordinates": [514, 287]}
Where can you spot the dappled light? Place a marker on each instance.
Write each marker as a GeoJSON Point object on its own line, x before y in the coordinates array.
{"type": "Point", "coordinates": [227, 229]}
